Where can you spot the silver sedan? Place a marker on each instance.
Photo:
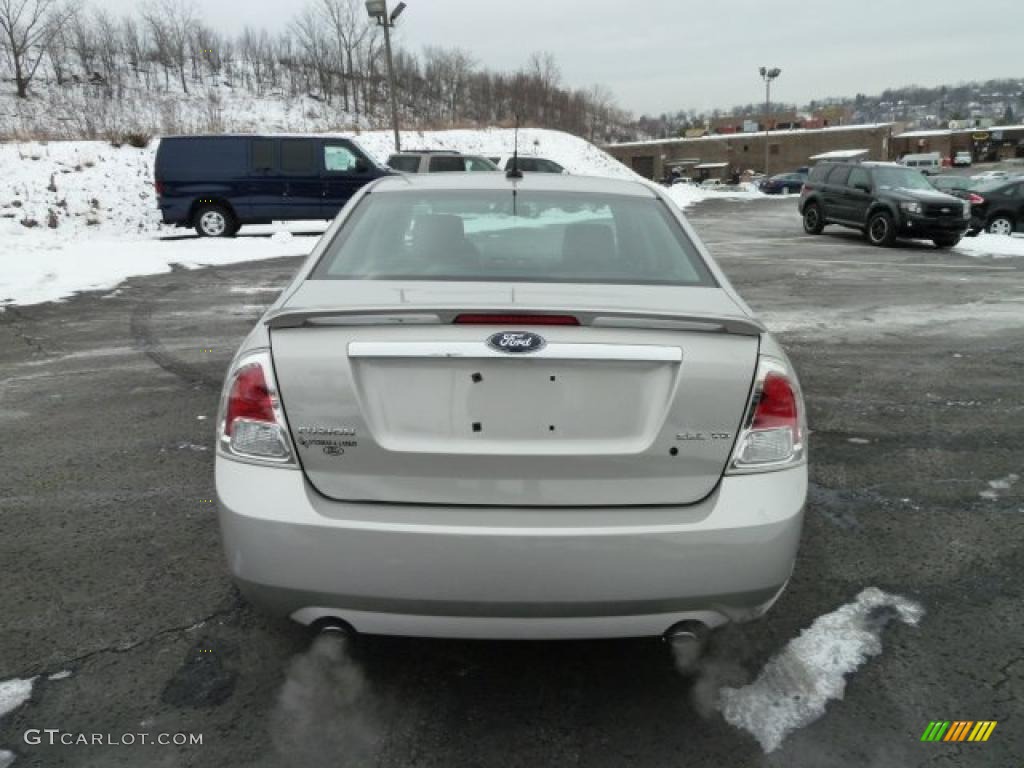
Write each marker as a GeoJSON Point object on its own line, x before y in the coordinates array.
{"type": "Point", "coordinates": [494, 407]}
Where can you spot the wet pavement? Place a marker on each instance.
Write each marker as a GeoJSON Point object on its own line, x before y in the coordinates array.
{"type": "Point", "coordinates": [911, 360]}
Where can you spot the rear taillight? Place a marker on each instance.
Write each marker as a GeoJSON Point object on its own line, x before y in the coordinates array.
{"type": "Point", "coordinates": [774, 431]}
{"type": "Point", "coordinates": [249, 398]}
{"type": "Point", "coordinates": [159, 187]}
{"type": "Point", "coordinates": [976, 199]}
{"type": "Point", "coordinates": [251, 424]}
{"type": "Point", "coordinates": [504, 319]}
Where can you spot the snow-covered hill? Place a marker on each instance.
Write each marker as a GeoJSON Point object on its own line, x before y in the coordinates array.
{"type": "Point", "coordinates": [85, 188]}
{"type": "Point", "coordinates": [81, 215]}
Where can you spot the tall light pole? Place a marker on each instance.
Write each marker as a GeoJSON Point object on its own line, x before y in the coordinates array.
{"type": "Point", "coordinates": [767, 75]}
{"type": "Point", "coordinates": [378, 9]}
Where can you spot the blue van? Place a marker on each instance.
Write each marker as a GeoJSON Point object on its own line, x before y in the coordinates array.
{"type": "Point", "coordinates": [218, 183]}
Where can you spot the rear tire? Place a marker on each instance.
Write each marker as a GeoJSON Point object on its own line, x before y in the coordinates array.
{"type": "Point", "coordinates": [946, 242]}
{"type": "Point", "coordinates": [813, 222]}
{"type": "Point", "coordinates": [1000, 225]}
{"type": "Point", "coordinates": [214, 221]}
{"type": "Point", "coordinates": [881, 230]}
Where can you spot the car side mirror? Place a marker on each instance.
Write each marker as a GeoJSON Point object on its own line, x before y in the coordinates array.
{"type": "Point", "coordinates": [864, 188]}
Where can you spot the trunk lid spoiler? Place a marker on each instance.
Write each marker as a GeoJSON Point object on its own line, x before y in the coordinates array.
{"type": "Point", "coordinates": [286, 317]}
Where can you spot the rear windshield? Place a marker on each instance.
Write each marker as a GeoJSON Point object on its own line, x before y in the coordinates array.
{"type": "Point", "coordinates": [546, 237]}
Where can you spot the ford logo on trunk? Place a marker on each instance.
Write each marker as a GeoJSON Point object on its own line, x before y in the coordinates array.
{"type": "Point", "coordinates": [516, 342]}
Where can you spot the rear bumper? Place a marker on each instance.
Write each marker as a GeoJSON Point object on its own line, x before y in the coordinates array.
{"type": "Point", "coordinates": [174, 211]}
{"type": "Point", "coordinates": [500, 572]}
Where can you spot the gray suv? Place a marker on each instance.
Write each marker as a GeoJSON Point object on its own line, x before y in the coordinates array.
{"type": "Point", "coordinates": [884, 201]}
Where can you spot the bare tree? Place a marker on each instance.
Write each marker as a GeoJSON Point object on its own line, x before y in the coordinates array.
{"type": "Point", "coordinates": [350, 27]}
{"type": "Point", "coordinates": [109, 50]}
{"type": "Point", "coordinates": [308, 28]}
{"type": "Point", "coordinates": [56, 53]}
{"type": "Point", "coordinates": [133, 44]}
{"type": "Point", "coordinates": [27, 27]}
{"type": "Point", "coordinates": [170, 23]}
{"type": "Point", "coordinates": [83, 44]}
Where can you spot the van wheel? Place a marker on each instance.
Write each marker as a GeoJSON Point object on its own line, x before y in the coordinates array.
{"type": "Point", "coordinates": [1000, 225]}
{"type": "Point", "coordinates": [215, 221]}
{"type": "Point", "coordinates": [881, 230]}
{"type": "Point", "coordinates": [813, 223]}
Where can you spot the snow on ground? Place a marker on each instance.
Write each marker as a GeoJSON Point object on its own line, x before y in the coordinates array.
{"type": "Point", "coordinates": [794, 687]}
{"type": "Point", "coordinates": [81, 215]}
{"type": "Point", "coordinates": [998, 487]}
{"type": "Point", "coordinates": [996, 246]}
{"type": "Point", "coordinates": [75, 188]}
{"type": "Point", "coordinates": [80, 110]}
{"type": "Point", "coordinates": [14, 693]}
{"type": "Point", "coordinates": [37, 269]}
{"type": "Point", "coordinates": [685, 195]}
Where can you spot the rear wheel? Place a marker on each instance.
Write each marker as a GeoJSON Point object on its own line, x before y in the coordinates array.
{"type": "Point", "coordinates": [946, 242]}
{"type": "Point", "coordinates": [813, 223]}
{"type": "Point", "coordinates": [215, 221]}
{"type": "Point", "coordinates": [1000, 225]}
{"type": "Point", "coordinates": [881, 231]}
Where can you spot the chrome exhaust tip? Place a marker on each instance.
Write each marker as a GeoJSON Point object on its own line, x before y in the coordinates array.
{"type": "Point", "coordinates": [687, 639]}
{"type": "Point", "coordinates": [330, 625]}
{"type": "Point", "coordinates": [686, 631]}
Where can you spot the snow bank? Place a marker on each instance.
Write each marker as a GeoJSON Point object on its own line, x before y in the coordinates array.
{"type": "Point", "coordinates": [81, 215]}
{"type": "Point", "coordinates": [794, 687]}
{"type": "Point", "coordinates": [89, 187]}
{"type": "Point", "coordinates": [76, 187]}
{"type": "Point", "coordinates": [38, 269]}
{"type": "Point", "coordinates": [685, 195]}
{"type": "Point", "coordinates": [14, 693]}
{"type": "Point", "coordinates": [576, 155]}
{"type": "Point", "coordinates": [72, 112]}
{"type": "Point", "coordinates": [995, 246]}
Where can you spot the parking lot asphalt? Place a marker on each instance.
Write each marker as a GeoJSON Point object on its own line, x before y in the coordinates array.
{"type": "Point", "coordinates": [912, 363]}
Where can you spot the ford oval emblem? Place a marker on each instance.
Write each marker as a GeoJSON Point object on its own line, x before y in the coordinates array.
{"type": "Point", "coordinates": [516, 342]}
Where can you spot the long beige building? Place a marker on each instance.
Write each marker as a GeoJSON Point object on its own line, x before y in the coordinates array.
{"type": "Point", "coordinates": [721, 155]}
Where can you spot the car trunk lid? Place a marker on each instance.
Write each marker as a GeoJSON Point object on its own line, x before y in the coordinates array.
{"type": "Point", "coordinates": [389, 400]}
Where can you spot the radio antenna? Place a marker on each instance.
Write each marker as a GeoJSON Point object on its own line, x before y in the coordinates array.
{"type": "Point", "coordinates": [513, 169]}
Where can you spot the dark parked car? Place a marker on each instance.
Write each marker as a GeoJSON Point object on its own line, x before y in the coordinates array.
{"type": "Point", "coordinates": [998, 207]}
{"type": "Point", "coordinates": [783, 183]}
{"type": "Point", "coordinates": [218, 183]}
{"type": "Point", "coordinates": [958, 186]}
{"type": "Point", "coordinates": [884, 201]}
{"type": "Point", "coordinates": [528, 164]}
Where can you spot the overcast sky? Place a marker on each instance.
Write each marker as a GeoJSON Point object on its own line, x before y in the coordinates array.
{"type": "Point", "coordinates": [663, 55]}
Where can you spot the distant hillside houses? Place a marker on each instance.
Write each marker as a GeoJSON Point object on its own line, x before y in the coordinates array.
{"type": "Point", "coordinates": [958, 107]}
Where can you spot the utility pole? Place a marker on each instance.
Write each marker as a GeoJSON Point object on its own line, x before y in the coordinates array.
{"type": "Point", "coordinates": [768, 75]}
{"type": "Point", "coordinates": [378, 9]}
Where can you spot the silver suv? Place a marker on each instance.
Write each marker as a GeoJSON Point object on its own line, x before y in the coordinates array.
{"type": "Point", "coordinates": [433, 161]}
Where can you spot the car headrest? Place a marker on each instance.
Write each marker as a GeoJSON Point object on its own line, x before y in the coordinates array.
{"type": "Point", "coordinates": [438, 233]}
{"type": "Point", "coordinates": [589, 244]}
